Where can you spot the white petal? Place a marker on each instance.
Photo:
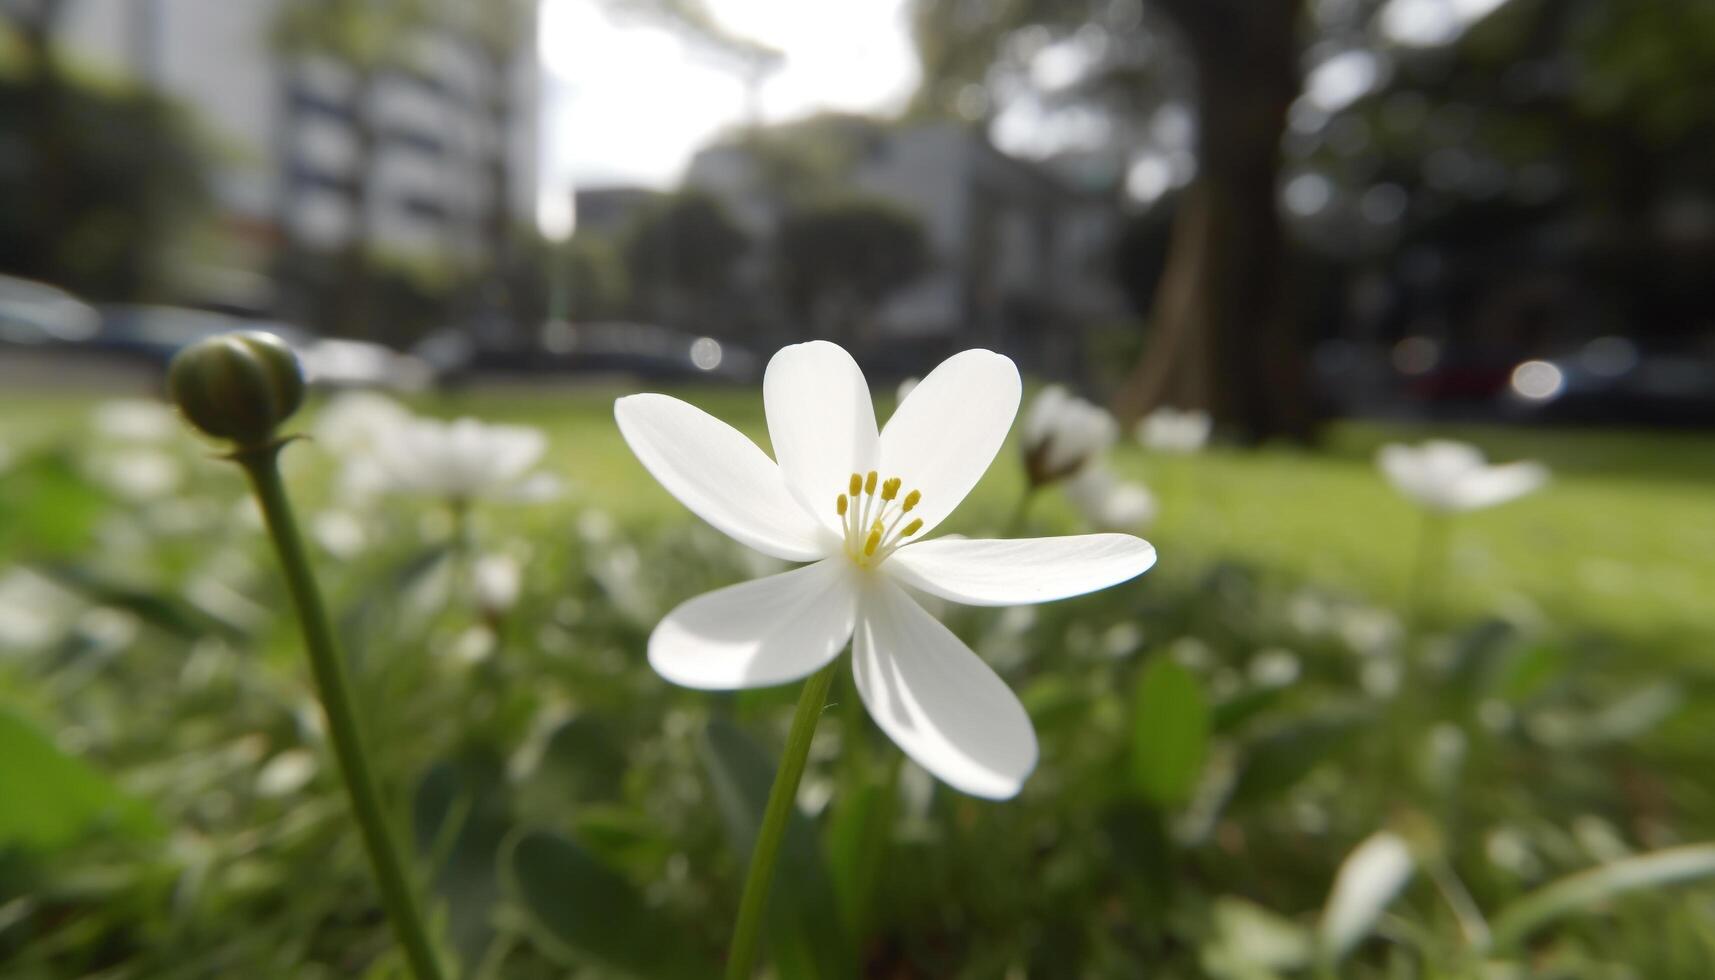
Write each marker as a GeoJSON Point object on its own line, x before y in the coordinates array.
{"type": "Point", "coordinates": [1367, 882]}
{"type": "Point", "coordinates": [937, 701]}
{"type": "Point", "coordinates": [1021, 570]}
{"type": "Point", "coordinates": [720, 475]}
{"type": "Point", "coordinates": [821, 423]}
{"type": "Point", "coordinates": [1498, 484]}
{"type": "Point", "coordinates": [767, 631]}
{"type": "Point", "coordinates": [514, 449]}
{"type": "Point", "coordinates": [943, 437]}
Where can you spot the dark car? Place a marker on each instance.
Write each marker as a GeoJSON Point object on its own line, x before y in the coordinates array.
{"type": "Point", "coordinates": [637, 350]}
{"type": "Point", "coordinates": [1616, 380]}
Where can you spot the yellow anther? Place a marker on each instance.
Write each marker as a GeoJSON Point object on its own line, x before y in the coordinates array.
{"type": "Point", "coordinates": [840, 505]}
{"type": "Point", "coordinates": [912, 498]}
{"type": "Point", "coordinates": [869, 482]}
{"type": "Point", "coordinates": [913, 528]}
{"type": "Point", "coordinates": [890, 489]}
{"type": "Point", "coordinates": [856, 485]}
{"type": "Point", "coordinates": [876, 527]}
{"type": "Point", "coordinates": [874, 542]}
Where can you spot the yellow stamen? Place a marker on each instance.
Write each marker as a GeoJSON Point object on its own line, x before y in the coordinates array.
{"type": "Point", "coordinates": [874, 541]}
{"type": "Point", "coordinates": [912, 498]}
{"type": "Point", "coordinates": [856, 485]}
{"type": "Point", "coordinates": [869, 482]}
{"type": "Point", "coordinates": [890, 489]}
{"type": "Point", "coordinates": [840, 505]}
{"type": "Point", "coordinates": [913, 528]}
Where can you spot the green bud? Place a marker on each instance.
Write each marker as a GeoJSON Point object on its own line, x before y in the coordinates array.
{"type": "Point", "coordinates": [238, 385]}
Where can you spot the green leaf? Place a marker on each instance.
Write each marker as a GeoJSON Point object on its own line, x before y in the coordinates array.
{"type": "Point", "coordinates": [584, 913]}
{"type": "Point", "coordinates": [1583, 891]}
{"type": "Point", "coordinates": [804, 918]}
{"type": "Point", "coordinates": [1170, 734]}
{"type": "Point", "coordinates": [1278, 761]}
{"type": "Point", "coordinates": [52, 799]}
{"type": "Point", "coordinates": [460, 818]}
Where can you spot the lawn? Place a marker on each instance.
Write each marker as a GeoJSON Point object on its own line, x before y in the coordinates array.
{"type": "Point", "coordinates": [1621, 541]}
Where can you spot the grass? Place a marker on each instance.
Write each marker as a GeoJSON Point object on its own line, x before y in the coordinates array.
{"type": "Point", "coordinates": [1619, 542]}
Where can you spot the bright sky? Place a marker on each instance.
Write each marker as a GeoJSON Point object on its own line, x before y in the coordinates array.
{"type": "Point", "coordinates": [629, 102]}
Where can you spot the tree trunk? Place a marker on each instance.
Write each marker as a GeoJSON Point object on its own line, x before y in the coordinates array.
{"type": "Point", "coordinates": [1222, 339]}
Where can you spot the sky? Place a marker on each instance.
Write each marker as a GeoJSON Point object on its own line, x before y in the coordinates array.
{"type": "Point", "coordinates": [628, 101]}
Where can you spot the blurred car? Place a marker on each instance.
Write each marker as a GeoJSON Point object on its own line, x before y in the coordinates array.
{"type": "Point", "coordinates": [36, 314]}
{"type": "Point", "coordinates": [620, 348]}
{"type": "Point", "coordinates": [338, 363]}
{"type": "Point", "coordinates": [1614, 379]}
{"type": "Point", "coordinates": [153, 334]}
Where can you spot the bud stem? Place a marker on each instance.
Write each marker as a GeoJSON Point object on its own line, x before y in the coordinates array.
{"type": "Point", "coordinates": [398, 894]}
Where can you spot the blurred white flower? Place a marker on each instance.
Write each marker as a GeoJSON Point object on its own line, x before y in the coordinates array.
{"type": "Point", "coordinates": [1365, 885]}
{"type": "Point", "coordinates": [353, 425]}
{"type": "Point", "coordinates": [1108, 503]}
{"type": "Point", "coordinates": [1274, 667]}
{"type": "Point", "coordinates": [827, 502]}
{"type": "Point", "coordinates": [339, 532]}
{"type": "Point", "coordinates": [1169, 430]}
{"type": "Point", "coordinates": [138, 474]}
{"type": "Point", "coordinates": [464, 460]}
{"type": "Point", "coordinates": [1062, 432]}
{"type": "Point", "coordinates": [286, 773]}
{"type": "Point", "coordinates": [1448, 477]}
{"type": "Point", "coordinates": [135, 420]}
{"type": "Point", "coordinates": [358, 421]}
{"type": "Point", "coordinates": [905, 388]}
{"type": "Point", "coordinates": [497, 580]}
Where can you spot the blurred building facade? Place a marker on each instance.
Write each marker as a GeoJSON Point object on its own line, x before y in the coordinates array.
{"type": "Point", "coordinates": [1019, 258]}
{"type": "Point", "coordinates": [427, 162]}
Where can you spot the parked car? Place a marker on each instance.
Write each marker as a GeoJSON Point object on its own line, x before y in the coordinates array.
{"type": "Point", "coordinates": [154, 334]}
{"type": "Point", "coordinates": [621, 348]}
{"type": "Point", "coordinates": [1614, 379]}
{"type": "Point", "coordinates": [35, 314]}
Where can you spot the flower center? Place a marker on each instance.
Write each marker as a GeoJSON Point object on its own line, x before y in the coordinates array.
{"type": "Point", "coordinates": [872, 514]}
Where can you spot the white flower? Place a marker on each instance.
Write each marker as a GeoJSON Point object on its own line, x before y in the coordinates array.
{"type": "Point", "coordinates": [1108, 503]}
{"type": "Point", "coordinates": [1450, 477]}
{"type": "Point", "coordinates": [1169, 430]}
{"type": "Point", "coordinates": [358, 421]}
{"type": "Point", "coordinates": [905, 389]}
{"type": "Point", "coordinates": [1367, 882]}
{"type": "Point", "coordinates": [856, 505]}
{"type": "Point", "coordinates": [135, 420]}
{"type": "Point", "coordinates": [496, 579]}
{"type": "Point", "coordinates": [1062, 432]}
{"type": "Point", "coordinates": [465, 459]}
{"type": "Point", "coordinates": [353, 425]}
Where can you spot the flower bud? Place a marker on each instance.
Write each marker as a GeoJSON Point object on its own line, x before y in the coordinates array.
{"type": "Point", "coordinates": [238, 385]}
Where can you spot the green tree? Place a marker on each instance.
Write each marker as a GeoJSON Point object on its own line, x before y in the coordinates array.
{"type": "Point", "coordinates": [107, 180]}
{"type": "Point", "coordinates": [681, 254]}
{"type": "Point", "coordinates": [1220, 338]}
{"type": "Point", "coordinates": [838, 259]}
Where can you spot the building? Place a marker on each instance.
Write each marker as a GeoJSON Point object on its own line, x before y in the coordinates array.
{"type": "Point", "coordinates": [445, 132]}
{"type": "Point", "coordinates": [1020, 260]}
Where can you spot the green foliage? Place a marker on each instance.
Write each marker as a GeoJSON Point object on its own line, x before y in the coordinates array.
{"type": "Point", "coordinates": [56, 799]}
{"type": "Point", "coordinates": [839, 258]}
{"type": "Point", "coordinates": [1172, 733]}
{"type": "Point", "coordinates": [572, 812]}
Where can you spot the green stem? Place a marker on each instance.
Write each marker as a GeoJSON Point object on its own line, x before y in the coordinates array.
{"type": "Point", "coordinates": [1425, 592]}
{"type": "Point", "coordinates": [397, 894]}
{"type": "Point", "coordinates": [741, 957]}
